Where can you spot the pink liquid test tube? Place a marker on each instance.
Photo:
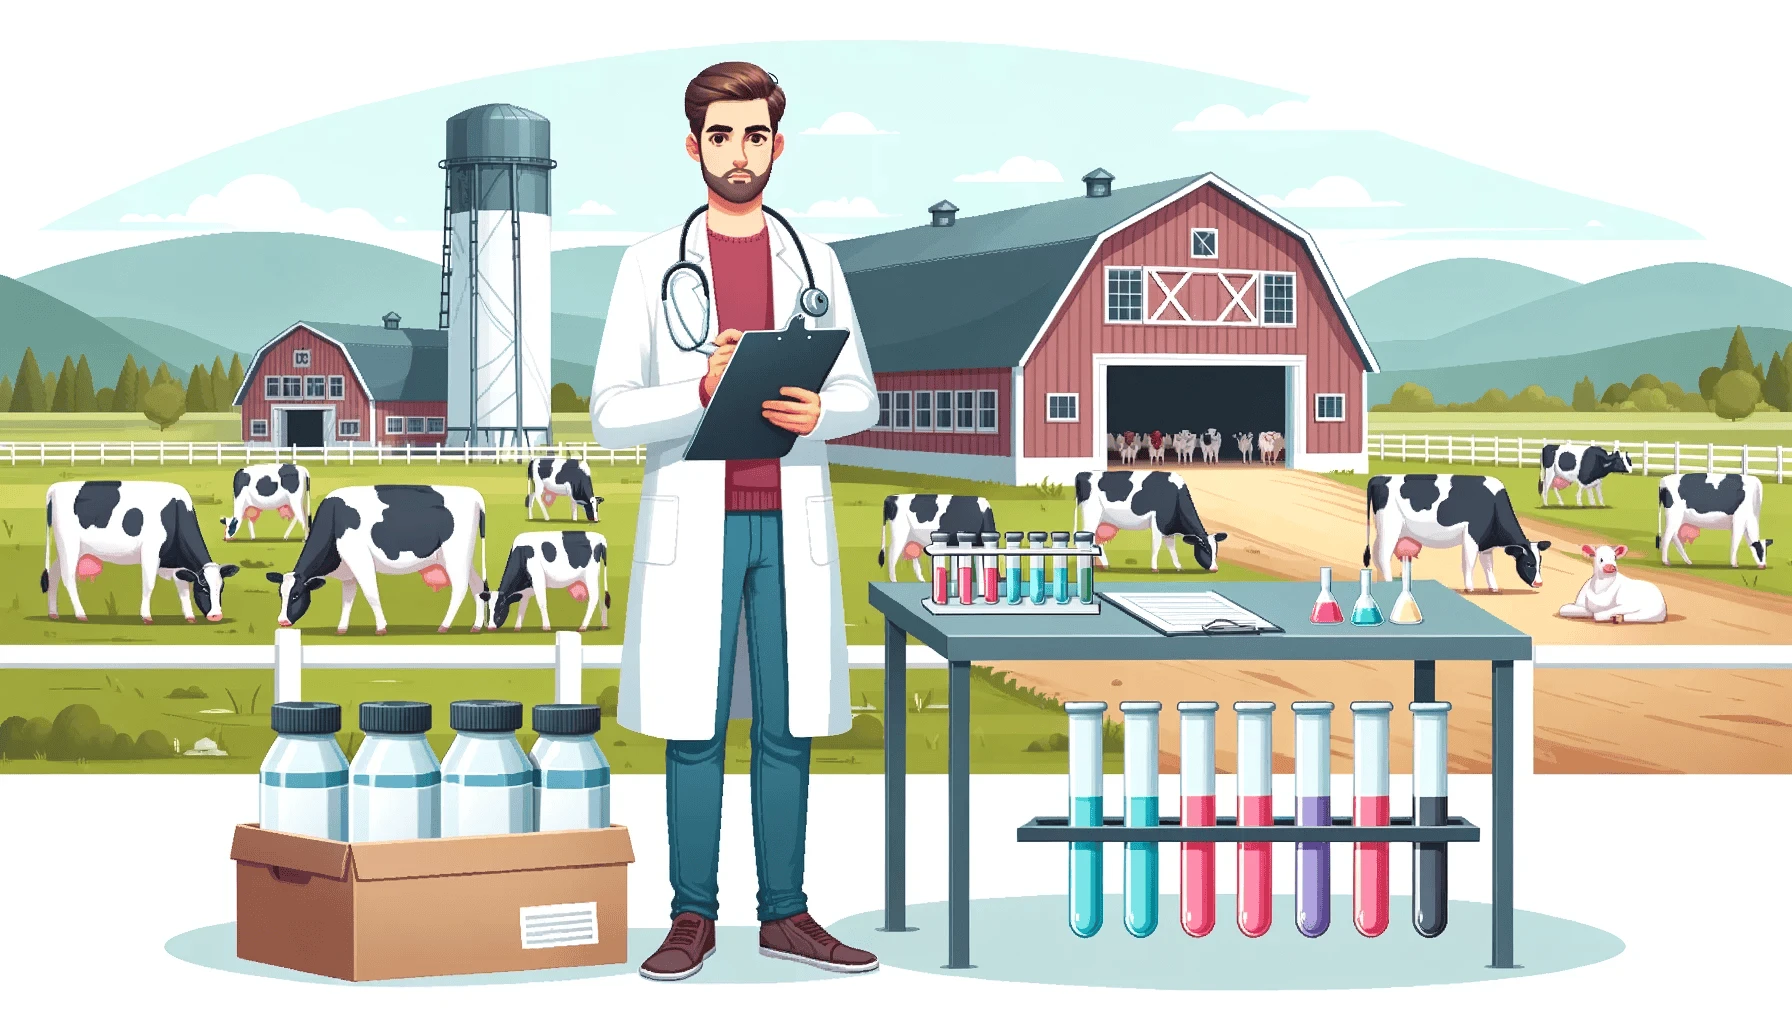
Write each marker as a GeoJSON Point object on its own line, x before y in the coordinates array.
{"type": "Point", "coordinates": [967, 573]}
{"type": "Point", "coordinates": [942, 572]}
{"type": "Point", "coordinates": [1199, 910]}
{"type": "Point", "coordinates": [1256, 806]}
{"type": "Point", "coordinates": [1369, 735]}
{"type": "Point", "coordinates": [991, 573]}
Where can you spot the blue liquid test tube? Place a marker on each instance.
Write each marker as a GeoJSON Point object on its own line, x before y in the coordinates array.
{"type": "Point", "coordinates": [1313, 806]}
{"type": "Point", "coordinates": [1061, 569]}
{"type": "Point", "coordinates": [1140, 717]}
{"type": "Point", "coordinates": [1430, 806]}
{"type": "Point", "coordinates": [1011, 547]}
{"type": "Point", "coordinates": [1036, 565]}
{"type": "Point", "coordinates": [1085, 812]}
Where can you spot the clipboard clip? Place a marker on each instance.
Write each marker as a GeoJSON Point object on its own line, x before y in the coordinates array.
{"type": "Point", "coordinates": [1220, 627]}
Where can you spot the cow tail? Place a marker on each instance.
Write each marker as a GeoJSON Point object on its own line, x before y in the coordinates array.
{"type": "Point", "coordinates": [43, 581]}
{"type": "Point", "coordinates": [606, 576]}
{"type": "Point", "coordinates": [485, 580]}
{"type": "Point", "coordinates": [883, 528]}
{"type": "Point", "coordinates": [1660, 512]}
{"type": "Point", "coordinates": [1368, 525]}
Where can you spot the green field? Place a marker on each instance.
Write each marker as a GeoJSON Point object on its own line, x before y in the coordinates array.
{"type": "Point", "coordinates": [1762, 428]}
{"type": "Point", "coordinates": [1006, 722]}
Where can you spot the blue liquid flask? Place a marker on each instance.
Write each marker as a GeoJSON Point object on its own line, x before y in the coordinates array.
{"type": "Point", "coordinates": [1366, 612]}
{"type": "Point", "coordinates": [1036, 563]}
{"type": "Point", "coordinates": [1011, 544]}
{"type": "Point", "coordinates": [1085, 812]}
{"type": "Point", "coordinates": [1061, 569]}
{"type": "Point", "coordinates": [1141, 812]}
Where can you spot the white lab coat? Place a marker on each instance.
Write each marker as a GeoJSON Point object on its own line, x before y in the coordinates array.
{"type": "Point", "coordinates": [645, 393]}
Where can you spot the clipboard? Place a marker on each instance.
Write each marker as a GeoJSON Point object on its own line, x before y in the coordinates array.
{"type": "Point", "coordinates": [733, 425]}
{"type": "Point", "coordinates": [1197, 613]}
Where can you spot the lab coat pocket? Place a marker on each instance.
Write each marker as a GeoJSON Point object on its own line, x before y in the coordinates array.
{"type": "Point", "coordinates": [821, 530]}
{"type": "Point", "coordinates": [656, 539]}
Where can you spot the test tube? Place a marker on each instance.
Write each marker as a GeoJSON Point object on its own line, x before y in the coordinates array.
{"type": "Point", "coordinates": [1369, 735]}
{"type": "Point", "coordinates": [1061, 569]}
{"type": "Point", "coordinates": [967, 575]}
{"type": "Point", "coordinates": [1085, 812]}
{"type": "Point", "coordinates": [1036, 565]}
{"type": "Point", "coordinates": [990, 575]}
{"type": "Point", "coordinates": [942, 571]}
{"type": "Point", "coordinates": [1256, 806]}
{"type": "Point", "coordinates": [1140, 717]}
{"type": "Point", "coordinates": [1085, 569]}
{"type": "Point", "coordinates": [1313, 806]}
{"type": "Point", "coordinates": [1198, 862]}
{"type": "Point", "coordinates": [1011, 547]}
{"type": "Point", "coordinates": [1430, 806]}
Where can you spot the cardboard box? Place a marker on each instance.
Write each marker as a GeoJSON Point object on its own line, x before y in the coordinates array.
{"type": "Point", "coordinates": [430, 907]}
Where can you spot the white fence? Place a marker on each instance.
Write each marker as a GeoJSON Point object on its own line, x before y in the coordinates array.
{"type": "Point", "coordinates": [236, 453]}
{"type": "Point", "coordinates": [1648, 458]}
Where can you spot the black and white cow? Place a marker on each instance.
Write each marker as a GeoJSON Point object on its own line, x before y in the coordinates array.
{"type": "Point", "coordinates": [135, 522]}
{"type": "Point", "coordinates": [276, 487]}
{"type": "Point", "coordinates": [572, 559]}
{"type": "Point", "coordinates": [1584, 465]}
{"type": "Point", "coordinates": [565, 478]}
{"type": "Point", "coordinates": [1410, 511]}
{"type": "Point", "coordinates": [911, 519]}
{"type": "Point", "coordinates": [1691, 502]}
{"type": "Point", "coordinates": [360, 533]}
{"type": "Point", "coordinates": [1107, 503]}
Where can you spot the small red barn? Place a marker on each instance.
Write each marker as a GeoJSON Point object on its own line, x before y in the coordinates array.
{"type": "Point", "coordinates": [1008, 346]}
{"type": "Point", "coordinates": [318, 384]}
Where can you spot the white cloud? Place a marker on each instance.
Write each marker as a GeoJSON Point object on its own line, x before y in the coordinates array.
{"type": "Point", "coordinates": [858, 206]}
{"type": "Point", "coordinates": [264, 202]}
{"type": "Point", "coordinates": [399, 220]}
{"type": "Point", "coordinates": [1333, 191]}
{"type": "Point", "coordinates": [591, 208]}
{"type": "Point", "coordinates": [846, 123]}
{"type": "Point", "coordinates": [1288, 115]}
{"type": "Point", "coordinates": [1019, 168]}
{"type": "Point", "coordinates": [1594, 224]}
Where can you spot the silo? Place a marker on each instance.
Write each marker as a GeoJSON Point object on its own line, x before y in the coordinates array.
{"type": "Point", "coordinates": [496, 277]}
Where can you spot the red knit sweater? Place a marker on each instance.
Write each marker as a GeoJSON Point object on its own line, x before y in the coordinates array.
{"type": "Point", "coordinates": [741, 274]}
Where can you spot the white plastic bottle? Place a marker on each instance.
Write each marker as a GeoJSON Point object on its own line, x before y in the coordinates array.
{"type": "Point", "coordinates": [395, 782]}
{"type": "Point", "coordinates": [488, 781]}
{"type": "Point", "coordinates": [572, 788]}
{"type": "Point", "coordinates": [304, 778]}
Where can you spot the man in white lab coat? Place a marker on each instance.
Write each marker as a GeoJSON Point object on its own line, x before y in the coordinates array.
{"type": "Point", "coordinates": [734, 604]}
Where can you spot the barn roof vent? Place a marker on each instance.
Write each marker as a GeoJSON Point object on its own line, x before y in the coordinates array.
{"type": "Point", "coordinates": [1098, 183]}
{"type": "Point", "coordinates": [943, 213]}
{"type": "Point", "coordinates": [391, 320]}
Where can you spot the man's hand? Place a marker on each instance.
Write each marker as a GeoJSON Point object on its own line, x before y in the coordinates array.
{"type": "Point", "coordinates": [718, 361]}
{"type": "Point", "coordinates": [798, 416]}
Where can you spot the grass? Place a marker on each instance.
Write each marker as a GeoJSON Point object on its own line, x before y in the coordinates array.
{"type": "Point", "coordinates": [1762, 428]}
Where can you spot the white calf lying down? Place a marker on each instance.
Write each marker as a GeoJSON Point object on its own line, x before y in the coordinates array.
{"type": "Point", "coordinates": [1611, 596]}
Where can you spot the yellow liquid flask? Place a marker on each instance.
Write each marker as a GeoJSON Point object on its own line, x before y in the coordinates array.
{"type": "Point", "coordinates": [1406, 610]}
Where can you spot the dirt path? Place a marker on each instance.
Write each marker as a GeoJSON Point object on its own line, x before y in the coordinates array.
{"type": "Point", "coordinates": [1587, 721]}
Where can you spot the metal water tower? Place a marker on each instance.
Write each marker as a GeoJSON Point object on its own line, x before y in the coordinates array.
{"type": "Point", "coordinates": [496, 277]}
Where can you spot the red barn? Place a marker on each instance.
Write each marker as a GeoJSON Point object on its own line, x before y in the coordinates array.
{"type": "Point", "coordinates": [1008, 346]}
{"type": "Point", "coordinates": [319, 384]}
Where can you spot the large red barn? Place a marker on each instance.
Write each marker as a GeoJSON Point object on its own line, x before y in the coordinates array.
{"type": "Point", "coordinates": [319, 384]}
{"type": "Point", "coordinates": [1008, 346]}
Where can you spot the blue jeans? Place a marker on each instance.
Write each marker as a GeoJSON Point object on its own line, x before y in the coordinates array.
{"type": "Point", "coordinates": [753, 572]}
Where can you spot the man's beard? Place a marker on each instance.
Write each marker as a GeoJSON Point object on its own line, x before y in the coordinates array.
{"type": "Point", "coordinates": [737, 191]}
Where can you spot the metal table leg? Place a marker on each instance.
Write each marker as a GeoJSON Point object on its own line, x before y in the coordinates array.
{"type": "Point", "coordinates": [1502, 814]}
{"type": "Point", "coordinates": [958, 802]}
{"type": "Point", "coordinates": [895, 779]}
{"type": "Point", "coordinates": [1424, 682]}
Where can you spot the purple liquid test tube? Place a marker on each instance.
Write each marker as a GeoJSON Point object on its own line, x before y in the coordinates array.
{"type": "Point", "coordinates": [1313, 806]}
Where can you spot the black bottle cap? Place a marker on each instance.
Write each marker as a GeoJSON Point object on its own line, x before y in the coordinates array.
{"type": "Point", "coordinates": [485, 716]}
{"type": "Point", "coordinates": [567, 719]}
{"type": "Point", "coordinates": [400, 717]}
{"type": "Point", "coordinates": [991, 538]}
{"type": "Point", "coordinates": [306, 718]}
{"type": "Point", "coordinates": [940, 538]}
{"type": "Point", "coordinates": [1036, 535]}
{"type": "Point", "coordinates": [1085, 538]}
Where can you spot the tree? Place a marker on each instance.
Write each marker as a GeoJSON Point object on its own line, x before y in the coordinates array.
{"type": "Point", "coordinates": [1736, 394]}
{"type": "Point", "coordinates": [1708, 380]}
{"type": "Point", "coordinates": [64, 400]}
{"type": "Point", "coordinates": [143, 385]}
{"type": "Point", "coordinates": [1646, 380]}
{"type": "Point", "coordinates": [162, 376]}
{"type": "Point", "coordinates": [1673, 390]}
{"type": "Point", "coordinates": [1650, 400]}
{"type": "Point", "coordinates": [102, 400]}
{"type": "Point", "coordinates": [222, 393]}
{"type": "Point", "coordinates": [236, 375]}
{"type": "Point", "coordinates": [1617, 394]}
{"type": "Point", "coordinates": [1776, 390]}
{"type": "Point", "coordinates": [85, 400]}
{"type": "Point", "coordinates": [1535, 399]}
{"type": "Point", "coordinates": [29, 394]}
{"type": "Point", "coordinates": [1585, 400]}
{"type": "Point", "coordinates": [49, 392]}
{"type": "Point", "coordinates": [199, 390]}
{"type": "Point", "coordinates": [1494, 400]}
{"type": "Point", "coordinates": [5, 392]}
{"type": "Point", "coordinates": [1691, 402]}
{"type": "Point", "coordinates": [164, 405]}
{"type": "Point", "coordinates": [565, 399]}
{"type": "Point", "coordinates": [1739, 357]}
{"type": "Point", "coordinates": [124, 393]}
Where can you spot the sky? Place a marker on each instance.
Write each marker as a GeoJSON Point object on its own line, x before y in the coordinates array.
{"type": "Point", "coordinates": [1636, 105]}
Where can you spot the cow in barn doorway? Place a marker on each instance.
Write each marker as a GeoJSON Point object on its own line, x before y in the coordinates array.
{"type": "Point", "coordinates": [281, 488]}
{"type": "Point", "coordinates": [1183, 442]}
{"type": "Point", "coordinates": [1107, 503]}
{"type": "Point", "coordinates": [1584, 466]}
{"type": "Point", "coordinates": [1209, 444]}
{"type": "Point", "coordinates": [135, 522]}
{"type": "Point", "coordinates": [1245, 442]}
{"type": "Point", "coordinates": [572, 560]}
{"type": "Point", "coordinates": [1129, 448]}
{"type": "Point", "coordinates": [1690, 502]}
{"type": "Point", "coordinates": [910, 520]}
{"type": "Point", "coordinates": [561, 478]}
{"type": "Point", "coordinates": [1271, 446]}
{"type": "Point", "coordinates": [1410, 511]}
{"type": "Point", "coordinates": [1154, 446]}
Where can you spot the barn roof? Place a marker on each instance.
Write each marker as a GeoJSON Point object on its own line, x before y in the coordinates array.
{"type": "Point", "coordinates": [406, 364]}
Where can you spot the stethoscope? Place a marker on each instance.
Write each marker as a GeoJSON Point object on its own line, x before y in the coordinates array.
{"type": "Point", "coordinates": [812, 300]}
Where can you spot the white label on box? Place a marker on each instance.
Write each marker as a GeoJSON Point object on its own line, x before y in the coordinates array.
{"type": "Point", "coordinates": [559, 924]}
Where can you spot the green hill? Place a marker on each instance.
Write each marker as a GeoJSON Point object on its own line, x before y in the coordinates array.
{"type": "Point", "coordinates": [575, 349]}
{"type": "Point", "coordinates": [1439, 297]}
{"type": "Point", "coordinates": [53, 329]}
{"type": "Point", "coordinates": [170, 344]}
{"type": "Point", "coordinates": [583, 278]}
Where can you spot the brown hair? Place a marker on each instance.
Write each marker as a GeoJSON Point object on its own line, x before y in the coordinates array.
{"type": "Point", "coordinates": [731, 80]}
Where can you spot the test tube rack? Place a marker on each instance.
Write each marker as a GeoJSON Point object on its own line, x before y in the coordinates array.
{"type": "Point", "coordinates": [1003, 606]}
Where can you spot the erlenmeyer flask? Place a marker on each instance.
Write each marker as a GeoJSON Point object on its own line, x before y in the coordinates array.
{"type": "Point", "coordinates": [1325, 607]}
{"type": "Point", "coordinates": [1366, 612]}
{"type": "Point", "coordinates": [1406, 610]}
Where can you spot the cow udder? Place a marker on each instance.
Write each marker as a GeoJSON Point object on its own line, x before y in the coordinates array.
{"type": "Point", "coordinates": [578, 591]}
{"type": "Point", "coordinates": [435, 576]}
{"type": "Point", "coordinates": [251, 513]}
{"type": "Point", "coordinates": [1406, 547]}
{"type": "Point", "coordinates": [88, 567]}
{"type": "Point", "coordinates": [286, 511]}
{"type": "Point", "coordinates": [1688, 533]}
{"type": "Point", "coordinates": [1561, 483]}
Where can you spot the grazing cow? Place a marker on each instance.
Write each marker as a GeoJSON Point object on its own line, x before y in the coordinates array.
{"type": "Point", "coordinates": [1144, 500]}
{"type": "Point", "coordinates": [390, 529]}
{"type": "Point", "coordinates": [1408, 511]}
{"type": "Point", "coordinates": [539, 562]}
{"type": "Point", "coordinates": [276, 487]}
{"type": "Point", "coordinates": [566, 478]}
{"type": "Point", "coordinates": [1245, 441]}
{"type": "Point", "coordinates": [1210, 445]}
{"type": "Point", "coordinates": [1691, 502]}
{"type": "Point", "coordinates": [1611, 596]}
{"type": "Point", "coordinates": [1271, 446]}
{"type": "Point", "coordinates": [1586, 465]}
{"type": "Point", "coordinates": [1155, 446]}
{"type": "Point", "coordinates": [911, 519]}
{"type": "Point", "coordinates": [136, 522]}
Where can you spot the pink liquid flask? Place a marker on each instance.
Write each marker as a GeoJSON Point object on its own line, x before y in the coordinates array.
{"type": "Point", "coordinates": [1369, 734]}
{"type": "Point", "coordinates": [1199, 910]}
{"type": "Point", "coordinates": [1256, 806]}
{"type": "Point", "coordinates": [1326, 611]}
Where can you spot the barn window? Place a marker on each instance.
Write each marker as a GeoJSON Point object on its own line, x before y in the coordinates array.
{"type": "Point", "coordinates": [258, 428]}
{"type": "Point", "coordinates": [1126, 294]}
{"type": "Point", "coordinates": [942, 411]}
{"type": "Point", "coordinates": [314, 387]}
{"type": "Point", "coordinates": [1061, 408]}
{"type": "Point", "coordinates": [301, 357]}
{"type": "Point", "coordinates": [395, 424]}
{"type": "Point", "coordinates": [348, 428]}
{"type": "Point", "coordinates": [271, 387]}
{"type": "Point", "coordinates": [1328, 407]}
{"type": "Point", "coordinates": [414, 425]}
{"type": "Point", "coordinates": [986, 412]}
{"type": "Point", "coordinates": [1204, 243]}
{"type": "Point", "coordinates": [923, 410]}
{"type": "Point", "coordinates": [437, 425]}
{"type": "Point", "coordinates": [335, 387]}
{"type": "Point", "coordinates": [289, 388]}
{"type": "Point", "coordinates": [883, 411]}
{"type": "Point", "coordinates": [1278, 299]}
{"type": "Point", "coordinates": [967, 411]}
{"type": "Point", "coordinates": [899, 410]}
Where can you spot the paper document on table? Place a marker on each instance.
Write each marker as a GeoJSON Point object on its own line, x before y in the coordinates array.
{"type": "Point", "coordinates": [1177, 613]}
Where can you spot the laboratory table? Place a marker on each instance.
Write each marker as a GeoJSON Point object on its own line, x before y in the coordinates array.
{"type": "Point", "coordinates": [1454, 629]}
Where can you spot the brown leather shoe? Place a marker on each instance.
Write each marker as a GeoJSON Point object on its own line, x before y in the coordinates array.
{"type": "Point", "coordinates": [691, 941]}
{"type": "Point", "coordinates": [801, 939]}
